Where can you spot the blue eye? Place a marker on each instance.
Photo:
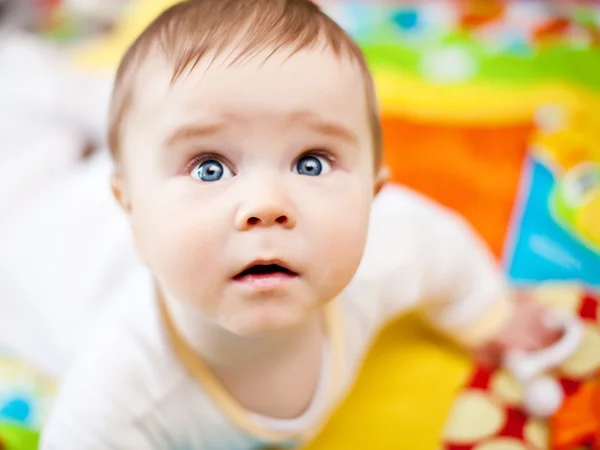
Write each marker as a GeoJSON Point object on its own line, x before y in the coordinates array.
{"type": "Point", "coordinates": [211, 170]}
{"type": "Point", "coordinates": [312, 166]}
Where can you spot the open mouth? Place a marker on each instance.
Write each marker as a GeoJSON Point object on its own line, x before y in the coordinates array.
{"type": "Point", "coordinates": [260, 270]}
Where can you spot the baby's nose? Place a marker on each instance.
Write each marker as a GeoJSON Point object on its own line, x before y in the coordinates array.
{"type": "Point", "coordinates": [266, 210]}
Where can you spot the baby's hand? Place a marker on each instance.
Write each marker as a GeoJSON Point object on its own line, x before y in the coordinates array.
{"type": "Point", "coordinates": [529, 329]}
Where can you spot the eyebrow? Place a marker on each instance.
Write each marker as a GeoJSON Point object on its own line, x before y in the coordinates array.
{"type": "Point", "coordinates": [332, 129]}
{"type": "Point", "coordinates": [194, 131]}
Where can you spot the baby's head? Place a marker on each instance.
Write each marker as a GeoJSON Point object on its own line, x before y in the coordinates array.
{"type": "Point", "coordinates": [247, 149]}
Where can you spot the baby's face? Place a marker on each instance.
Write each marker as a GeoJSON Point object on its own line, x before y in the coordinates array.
{"type": "Point", "coordinates": [249, 187]}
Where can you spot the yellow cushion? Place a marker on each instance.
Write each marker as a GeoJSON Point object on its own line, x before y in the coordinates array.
{"type": "Point", "coordinates": [403, 395]}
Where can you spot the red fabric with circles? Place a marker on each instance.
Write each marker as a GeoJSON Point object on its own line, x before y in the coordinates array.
{"type": "Point", "coordinates": [512, 428]}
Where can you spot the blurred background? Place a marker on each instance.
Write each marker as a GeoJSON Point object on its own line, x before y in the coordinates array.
{"type": "Point", "coordinates": [490, 107]}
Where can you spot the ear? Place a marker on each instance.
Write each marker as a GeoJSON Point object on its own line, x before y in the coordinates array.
{"type": "Point", "coordinates": [381, 178]}
{"type": "Point", "coordinates": [120, 191]}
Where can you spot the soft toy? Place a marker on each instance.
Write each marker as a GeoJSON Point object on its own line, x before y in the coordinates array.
{"type": "Point", "coordinates": [542, 394]}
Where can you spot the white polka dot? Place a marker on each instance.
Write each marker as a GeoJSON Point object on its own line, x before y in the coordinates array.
{"type": "Point", "coordinates": [586, 359]}
{"type": "Point", "coordinates": [506, 388]}
{"type": "Point", "coordinates": [536, 433]}
{"type": "Point", "coordinates": [448, 65]}
{"type": "Point", "coordinates": [550, 118]}
{"type": "Point", "coordinates": [502, 444]}
{"type": "Point", "coordinates": [474, 417]}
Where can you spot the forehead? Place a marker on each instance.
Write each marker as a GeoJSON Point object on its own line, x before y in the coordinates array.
{"type": "Point", "coordinates": [272, 86]}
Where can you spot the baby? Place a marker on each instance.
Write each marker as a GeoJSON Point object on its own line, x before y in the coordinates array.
{"type": "Point", "coordinates": [247, 155]}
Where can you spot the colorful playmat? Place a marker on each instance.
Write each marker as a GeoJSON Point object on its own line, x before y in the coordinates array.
{"type": "Point", "coordinates": [492, 108]}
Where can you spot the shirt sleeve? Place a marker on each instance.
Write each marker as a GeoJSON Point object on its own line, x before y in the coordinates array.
{"type": "Point", "coordinates": [106, 401]}
{"type": "Point", "coordinates": [85, 421]}
{"type": "Point", "coordinates": [89, 414]}
{"type": "Point", "coordinates": [420, 255]}
{"type": "Point", "coordinates": [86, 432]}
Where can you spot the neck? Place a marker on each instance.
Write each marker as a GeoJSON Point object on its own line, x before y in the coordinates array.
{"type": "Point", "coordinates": [225, 351]}
{"type": "Point", "coordinates": [275, 375]}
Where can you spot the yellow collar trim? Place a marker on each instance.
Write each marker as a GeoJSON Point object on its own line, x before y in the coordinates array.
{"type": "Point", "coordinates": [238, 415]}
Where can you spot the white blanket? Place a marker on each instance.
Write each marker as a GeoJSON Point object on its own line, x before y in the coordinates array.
{"type": "Point", "coordinates": [58, 222]}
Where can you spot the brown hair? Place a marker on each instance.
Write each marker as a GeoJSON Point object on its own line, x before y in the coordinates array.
{"type": "Point", "coordinates": [189, 30]}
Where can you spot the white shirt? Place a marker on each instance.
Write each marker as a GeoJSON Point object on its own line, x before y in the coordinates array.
{"type": "Point", "coordinates": [128, 389]}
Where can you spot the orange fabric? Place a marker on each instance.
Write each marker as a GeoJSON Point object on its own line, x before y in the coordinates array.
{"type": "Point", "coordinates": [579, 418]}
{"type": "Point", "coordinates": [473, 169]}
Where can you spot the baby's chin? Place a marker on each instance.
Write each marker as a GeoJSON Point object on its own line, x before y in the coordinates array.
{"type": "Point", "coordinates": [264, 319]}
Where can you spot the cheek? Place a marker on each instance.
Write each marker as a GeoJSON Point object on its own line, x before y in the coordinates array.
{"type": "Point", "coordinates": [340, 230]}
{"type": "Point", "coordinates": [180, 242]}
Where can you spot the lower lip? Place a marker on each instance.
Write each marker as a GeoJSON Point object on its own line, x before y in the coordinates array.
{"type": "Point", "coordinates": [266, 281]}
